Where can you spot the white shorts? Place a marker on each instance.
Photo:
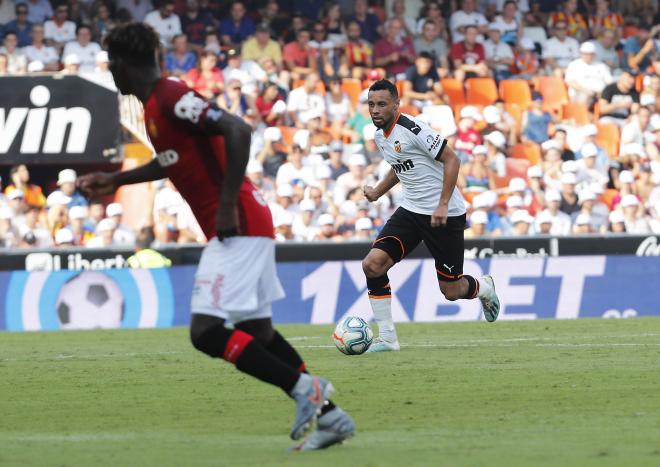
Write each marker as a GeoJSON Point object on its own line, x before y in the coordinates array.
{"type": "Point", "coordinates": [236, 279]}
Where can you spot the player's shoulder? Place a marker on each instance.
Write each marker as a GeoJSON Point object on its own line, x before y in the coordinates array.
{"type": "Point", "coordinates": [410, 123]}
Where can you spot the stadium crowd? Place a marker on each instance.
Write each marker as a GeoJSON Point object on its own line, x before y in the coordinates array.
{"type": "Point", "coordinates": [552, 107]}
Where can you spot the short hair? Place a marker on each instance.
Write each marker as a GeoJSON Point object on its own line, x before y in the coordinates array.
{"type": "Point", "coordinates": [144, 238]}
{"type": "Point", "coordinates": [83, 26]}
{"type": "Point", "coordinates": [425, 54]}
{"type": "Point", "coordinates": [385, 85]}
{"type": "Point", "coordinates": [135, 43]}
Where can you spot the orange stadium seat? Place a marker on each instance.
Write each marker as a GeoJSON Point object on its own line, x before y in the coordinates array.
{"type": "Point", "coordinates": [608, 196]}
{"type": "Point", "coordinates": [400, 83]}
{"type": "Point", "coordinates": [608, 138]}
{"type": "Point", "coordinates": [530, 151]}
{"type": "Point", "coordinates": [352, 87]}
{"type": "Point", "coordinates": [453, 89]}
{"type": "Point", "coordinates": [480, 91]}
{"type": "Point", "coordinates": [575, 112]}
{"type": "Point", "coordinates": [516, 112]}
{"type": "Point", "coordinates": [516, 91]}
{"type": "Point", "coordinates": [639, 83]}
{"type": "Point", "coordinates": [287, 134]}
{"type": "Point", "coordinates": [409, 109]}
{"type": "Point", "coordinates": [553, 91]}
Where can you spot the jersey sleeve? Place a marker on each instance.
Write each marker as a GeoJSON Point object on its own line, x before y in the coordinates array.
{"type": "Point", "coordinates": [429, 141]}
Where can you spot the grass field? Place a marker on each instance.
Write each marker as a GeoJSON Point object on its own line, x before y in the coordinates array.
{"type": "Point", "coordinates": [583, 393]}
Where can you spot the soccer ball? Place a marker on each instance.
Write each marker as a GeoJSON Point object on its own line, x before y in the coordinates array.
{"type": "Point", "coordinates": [353, 336]}
{"type": "Point", "coordinates": [90, 300]}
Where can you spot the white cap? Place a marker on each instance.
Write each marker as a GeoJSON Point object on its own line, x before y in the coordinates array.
{"type": "Point", "coordinates": [105, 225]}
{"type": "Point", "coordinates": [57, 197]}
{"type": "Point", "coordinates": [552, 195]}
{"type": "Point", "coordinates": [279, 107]}
{"type": "Point", "coordinates": [470, 111]}
{"type": "Point", "coordinates": [301, 138]}
{"type": "Point", "coordinates": [492, 114]}
{"type": "Point", "coordinates": [357, 159]}
{"type": "Point", "coordinates": [597, 188]}
{"type": "Point", "coordinates": [629, 200]}
{"type": "Point", "coordinates": [569, 167]}
{"type": "Point", "coordinates": [527, 44]}
{"type": "Point", "coordinates": [479, 149]}
{"type": "Point", "coordinates": [6, 212]}
{"type": "Point", "coordinates": [590, 130]}
{"type": "Point", "coordinates": [583, 219]}
{"type": "Point", "coordinates": [284, 218]}
{"type": "Point", "coordinates": [514, 201]}
{"type": "Point", "coordinates": [364, 223]}
{"type": "Point", "coordinates": [550, 144]}
{"type": "Point", "coordinates": [35, 66]}
{"type": "Point", "coordinates": [77, 212]}
{"type": "Point", "coordinates": [496, 138]}
{"type": "Point", "coordinates": [633, 149]}
{"type": "Point", "coordinates": [494, 27]}
{"type": "Point", "coordinates": [589, 150]}
{"type": "Point", "coordinates": [285, 190]}
{"type": "Point", "coordinates": [63, 236]}
{"type": "Point", "coordinates": [521, 215]}
{"type": "Point", "coordinates": [307, 205]}
{"type": "Point", "coordinates": [534, 171]}
{"type": "Point", "coordinates": [517, 184]}
{"type": "Point", "coordinates": [16, 194]}
{"type": "Point", "coordinates": [254, 167]}
{"type": "Point", "coordinates": [646, 99]}
{"type": "Point", "coordinates": [479, 217]}
{"type": "Point", "coordinates": [626, 176]}
{"type": "Point", "coordinates": [568, 178]}
{"type": "Point", "coordinates": [586, 195]}
{"type": "Point", "coordinates": [272, 133]}
{"type": "Point", "coordinates": [66, 176]}
{"type": "Point", "coordinates": [616, 217]}
{"type": "Point", "coordinates": [114, 209]}
{"type": "Point", "coordinates": [323, 172]}
{"type": "Point", "coordinates": [369, 131]}
{"type": "Point", "coordinates": [587, 48]}
{"type": "Point", "coordinates": [72, 59]}
{"type": "Point", "coordinates": [544, 217]}
{"type": "Point", "coordinates": [490, 197]}
{"type": "Point", "coordinates": [480, 201]}
{"type": "Point", "coordinates": [326, 219]}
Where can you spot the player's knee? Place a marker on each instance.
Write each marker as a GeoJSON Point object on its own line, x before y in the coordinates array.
{"type": "Point", "coordinates": [209, 335]}
{"type": "Point", "coordinates": [261, 329]}
{"type": "Point", "coordinates": [373, 267]}
{"type": "Point", "coordinates": [450, 290]}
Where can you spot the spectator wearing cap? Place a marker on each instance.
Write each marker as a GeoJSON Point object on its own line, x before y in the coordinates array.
{"type": "Point", "coordinates": [39, 51]}
{"type": "Point", "coordinates": [357, 58]}
{"type": "Point", "coordinates": [206, 78]}
{"type": "Point", "coordinates": [467, 137]}
{"type": "Point", "coordinates": [194, 24]}
{"type": "Point", "coordinates": [58, 211]}
{"type": "Point", "coordinates": [536, 121]}
{"type": "Point", "coordinates": [304, 98]}
{"type": "Point", "coordinates": [393, 52]}
{"type": "Point", "coordinates": [77, 223]}
{"type": "Point", "coordinates": [335, 159]}
{"type": "Point", "coordinates": [138, 9]}
{"type": "Point", "coordinates": [639, 48]}
{"type": "Point", "coordinates": [261, 47]}
{"type": "Point", "coordinates": [495, 143]}
{"type": "Point", "coordinates": [283, 223]}
{"type": "Point", "coordinates": [319, 137]}
{"type": "Point", "coordinates": [625, 183]}
{"type": "Point", "coordinates": [123, 235]}
{"type": "Point", "coordinates": [478, 222]}
{"type": "Point", "coordinates": [284, 201]}
{"type": "Point", "coordinates": [327, 229]}
{"type": "Point", "coordinates": [590, 206]}
{"type": "Point", "coordinates": [590, 132]}
{"type": "Point", "coordinates": [364, 230]}
{"type": "Point", "coordinates": [71, 64]}
{"type": "Point", "coordinates": [21, 25]}
{"type": "Point", "coordinates": [522, 223]}
{"type": "Point", "coordinates": [616, 222]}
{"type": "Point", "coordinates": [585, 77]}
{"type": "Point", "coordinates": [105, 235]}
{"type": "Point", "coordinates": [356, 177]}
{"type": "Point", "coordinates": [299, 57]}
{"type": "Point", "coordinates": [526, 61]}
{"type": "Point", "coordinates": [422, 84]}
{"type": "Point", "coordinates": [64, 238]}
{"type": "Point", "coordinates": [165, 22]}
{"type": "Point", "coordinates": [32, 232]}
{"type": "Point", "coordinates": [465, 17]}
{"type": "Point", "coordinates": [84, 48]}
{"type": "Point", "coordinates": [180, 60]}
{"type": "Point", "coordinates": [304, 226]}
{"type": "Point", "coordinates": [9, 235]}
{"type": "Point", "coordinates": [468, 56]}
{"type": "Point", "coordinates": [561, 222]}
{"type": "Point", "coordinates": [16, 201]}
{"type": "Point", "coordinates": [255, 172]}
{"type": "Point", "coordinates": [543, 223]}
{"type": "Point", "coordinates": [236, 101]}
{"type": "Point", "coordinates": [499, 56]}
{"type": "Point", "coordinates": [583, 224]}
{"type": "Point", "coordinates": [476, 175]}
{"type": "Point", "coordinates": [38, 10]}
{"type": "Point", "coordinates": [569, 199]}
{"type": "Point", "coordinates": [637, 128]}
{"type": "Point", "coordinates": [619, 99]}
{"type": "Point", "coordinates": [273, 153]}
{"type": "Point", "coordinates": [561, 49]}
{"type": "Point", "coordinates": [248, 72]}
{"type": "Point", "coordinates": [370, 27]}
{"type": "Point", "coordinates": [606, 49]}
{"type": "Point", "coordinates": [236, 27]}
{"type": "Point", "coordinates": [20, 177]}
{"type": "Point", "coordinates": [536, 186]}
{"type": "Point", "coordinates": [634, 218]}
{"type": "Point", "coordinates": [430, 41]}
{"type": "Point", "coordinates": [66, 182]}
{"type": "Point", "coordinates": [487, 202]}
{"type": "Point", "coordinates": [16, 60]}
{"type": "Point", "coordinates": [589, 171]}
{"type": "Point", "coordinates": [59, 30]}
{"type": "Point", "coordinates": [575, 23]}
{"type": "Point", "coordinates": [95, 213]}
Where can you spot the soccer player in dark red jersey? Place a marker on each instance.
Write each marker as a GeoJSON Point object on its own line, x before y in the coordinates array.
{"type": "Point", "coordinates": [204, 151]}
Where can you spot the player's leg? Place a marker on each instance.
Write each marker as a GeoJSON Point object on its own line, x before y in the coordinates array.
{"type": "Point", "coordinates": [397, 238]}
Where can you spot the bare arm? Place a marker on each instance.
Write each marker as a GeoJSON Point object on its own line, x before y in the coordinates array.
{"type": "Point", "coordinates": [452, 166]}
{"type": "Point", "coordinates": [102, 183]}
{"type": "Point", "coordinates": [386, 184]}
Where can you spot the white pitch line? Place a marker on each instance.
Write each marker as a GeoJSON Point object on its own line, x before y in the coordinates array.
{"type": "Point", "coordinates": [73, 437]}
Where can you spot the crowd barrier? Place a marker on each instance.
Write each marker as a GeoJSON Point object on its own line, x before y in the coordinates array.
{"type": "Point", "coordinates": [535, 283]}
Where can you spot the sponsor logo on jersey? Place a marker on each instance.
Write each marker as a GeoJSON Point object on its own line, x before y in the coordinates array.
{"type": "Point", "coordinates": [190, 107]}
{"type": "Point", "coordinates": [403, 166]}
{"type": "Point", "coordinates": [434, 143]}
{"type": "Point", "coordinates": [167, 157]}
{"type": "Point", "coordinates": [397, 146]}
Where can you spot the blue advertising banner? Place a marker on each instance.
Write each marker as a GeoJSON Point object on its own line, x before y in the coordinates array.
{"type": "Point", "coordinates": [323, 292]}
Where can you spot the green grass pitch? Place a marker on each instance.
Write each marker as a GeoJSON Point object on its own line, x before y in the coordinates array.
{"type": "Point", "coordinates": [564, 393]}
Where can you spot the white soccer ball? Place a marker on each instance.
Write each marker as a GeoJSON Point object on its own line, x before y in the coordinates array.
{"type": "Point", "coordinates": [90, 300]}
{"type": "Point", "coordinates": [353, 336]}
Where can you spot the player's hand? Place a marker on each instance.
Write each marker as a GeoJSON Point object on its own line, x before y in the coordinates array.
{"type": "Point", "coordinates": [439, 216]}
{"type": "Point", "coordinates": [96, 184]}
{"type": "Point", "coordinates": [227, 221]}
{"type": "Point", "coordinates": [370, 193]}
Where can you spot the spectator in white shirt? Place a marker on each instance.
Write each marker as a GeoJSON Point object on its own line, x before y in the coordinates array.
{"type": "Point", "coordinates": [585, 77]}
{"type": "Point", "coordinates": [137, 8]}
{"type": "Point", "coordinates": [634, 218]}
{"type": "Point", "coordinates": [499, 55]}
{"type": "Point", "coordinates": [634, 130]}
{"type": "Point", "coordinates": [59, 30]}
{"type": "Point", "coordinates": [560, 50]}
{"type": "Point", "coordinates": [466, 16]}
{"type": "Point", "coordinates": [165, 22]}
{"type": "Point", "coordinates": [123, 235]}
{"type": "Point", "coordinates": [295, 171]}
{"type": "Point", "coordinates": [105, 231]}
{"type": "Point", "coordinates": [16, 60]}
{"type": "Point", "coordinates": [40, 52]}
{"type": "Point", "coordinates": [83, 48]}
{"type": "Point", "coordinates": [561, 222]}
{"type": "Point", "coordinates": [304, 98]}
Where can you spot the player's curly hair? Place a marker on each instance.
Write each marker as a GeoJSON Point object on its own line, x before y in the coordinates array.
{"type": "Point", "coordinates": [136, 43]}
{"type": "Point", "coordinates": [385, 85]}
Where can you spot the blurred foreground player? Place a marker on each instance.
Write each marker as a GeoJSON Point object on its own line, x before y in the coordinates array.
{"type": "Point", "coordinates": [204, 151]}
{"type": "Point", "coordinates": [432, 211]}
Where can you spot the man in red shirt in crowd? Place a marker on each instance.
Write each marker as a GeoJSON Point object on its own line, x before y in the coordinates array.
{"type": "Point", "coordinates": [393, 52]}
{"type": "Point", "coordinates": [204, 151]}
{"type": "Point", "coordinates": [299, 57]}
{"type": "Point", "coordinates": [468, 56]}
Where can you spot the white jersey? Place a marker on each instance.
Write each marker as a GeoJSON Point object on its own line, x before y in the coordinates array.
{"type": "Point", "coordinates": [413, 150]}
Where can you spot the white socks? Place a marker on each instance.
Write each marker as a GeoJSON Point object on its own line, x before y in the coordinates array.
{"type": "Point", "coordinates": [484, 287]}
{"type": "Point", "coordinates": [382, 308]}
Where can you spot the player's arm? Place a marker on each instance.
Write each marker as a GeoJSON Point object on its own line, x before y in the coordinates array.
{"type": "Point", "coordinates": [386, 184]}
{"type": "Point", "coordinates": [452, 166]}
{"type": "Point", "coordinates": [237, 135]}
{"type": "Point", "coordinates": [103, 183]}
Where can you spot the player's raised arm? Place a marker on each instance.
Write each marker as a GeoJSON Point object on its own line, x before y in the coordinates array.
{"type": "Point", "coordinates": [103, 183]}
{"type": "Point", "coordinates": [237, 135]}
{"type": "Point", "coordinates": [452, 164]}
{"type": "Point", "coordinates": [386, 184]}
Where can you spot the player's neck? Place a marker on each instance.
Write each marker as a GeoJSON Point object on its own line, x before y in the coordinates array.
{"type": "Point", "coordinates": [145, 84]}
{"type": "Point", "coordinates": [387, 126]}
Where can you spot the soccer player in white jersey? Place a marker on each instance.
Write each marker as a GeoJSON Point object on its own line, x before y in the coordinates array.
{"type": "Point", "coordinates": [432, 210]}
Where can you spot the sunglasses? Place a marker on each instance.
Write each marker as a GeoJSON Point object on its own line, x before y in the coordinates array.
{"type": "Point", "coordinates": [22, 12]}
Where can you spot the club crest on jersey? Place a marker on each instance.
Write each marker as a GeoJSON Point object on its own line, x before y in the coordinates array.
{"type": "Point", "coordinates": [190, 107]}
{"type": "Point", "coordinates": [397, 146]}
{"type": "Point", "coordinates": [403, 166]}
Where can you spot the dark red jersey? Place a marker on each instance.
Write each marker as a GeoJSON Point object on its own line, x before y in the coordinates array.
{"type": "Point", "coordinates": [195, 162]}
